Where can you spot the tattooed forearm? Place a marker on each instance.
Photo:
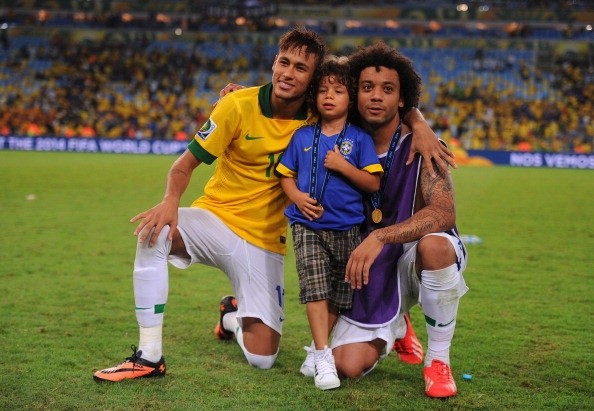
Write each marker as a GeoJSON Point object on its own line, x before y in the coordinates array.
{"type": "Point", "coordinates": [436, 190]}
{"type": "Point", "coordinates": [437, 214]}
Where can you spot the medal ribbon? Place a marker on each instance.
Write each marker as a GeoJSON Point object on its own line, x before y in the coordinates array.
{"type": "Point", "coordinates": [313, 179]}
{"type": "Point", "coordinates": [376, 197]}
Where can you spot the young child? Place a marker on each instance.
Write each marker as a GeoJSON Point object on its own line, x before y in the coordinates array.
{"type": "Point", "coordinates": [324, 172]}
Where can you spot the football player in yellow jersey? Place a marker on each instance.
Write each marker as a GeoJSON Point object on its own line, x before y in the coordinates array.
{"type": "Point", "coordinates": [238, 225]}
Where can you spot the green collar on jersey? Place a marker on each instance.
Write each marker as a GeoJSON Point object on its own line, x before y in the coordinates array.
{"type": "Point", "coordinates": [264, 102]}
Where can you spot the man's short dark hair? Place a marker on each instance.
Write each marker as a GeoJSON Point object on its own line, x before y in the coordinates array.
{"type": "Point", "coordinates": [300, 37]}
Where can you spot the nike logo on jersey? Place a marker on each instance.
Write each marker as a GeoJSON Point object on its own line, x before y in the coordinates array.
{"type": "Point", "coordinates": [249, 138]}
{"type": "Point", "coordinates": [307, 148]}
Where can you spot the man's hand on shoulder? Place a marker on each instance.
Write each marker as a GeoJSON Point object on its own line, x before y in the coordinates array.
{"type": "Point", "coordinates": [427, 144]}
{"type": "Point", "coordinates": [229, 88]}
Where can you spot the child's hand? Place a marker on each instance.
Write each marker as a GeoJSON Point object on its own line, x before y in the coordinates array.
{"type": "Point", "coordinates": [334, 160]}
{"type": "Point", "coordinates": [308, 206]}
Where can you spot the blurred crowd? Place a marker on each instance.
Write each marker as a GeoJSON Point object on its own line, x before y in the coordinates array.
{"type": "Point", "coordinates": [133, 90]}
{"type": "Point", "coordinates": [478, 116]}
{"type": "Point", "coordinates": [110, 90]}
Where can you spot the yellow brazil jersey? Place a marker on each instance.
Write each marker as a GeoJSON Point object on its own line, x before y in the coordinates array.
{"type": "Point", "coordinates": [244, 191]}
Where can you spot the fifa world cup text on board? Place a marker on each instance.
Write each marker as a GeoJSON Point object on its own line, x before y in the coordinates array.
{"type": "Point", "coordinates": [86, 145]}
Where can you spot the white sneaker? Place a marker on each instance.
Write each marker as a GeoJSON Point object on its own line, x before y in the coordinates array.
{"type": "Point", "coordinates": [326, 377]}
{"type": "Point", "coordinates": [308, 366]}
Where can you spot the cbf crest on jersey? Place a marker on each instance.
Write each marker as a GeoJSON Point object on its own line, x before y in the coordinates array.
{"type": "Point", "coordinates": [206, 129]}
{"type": "Point", "coordinates": [346, 147]}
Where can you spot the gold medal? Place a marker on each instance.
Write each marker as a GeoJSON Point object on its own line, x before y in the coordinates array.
{"type": "Point", "coordinates": [376, 215]}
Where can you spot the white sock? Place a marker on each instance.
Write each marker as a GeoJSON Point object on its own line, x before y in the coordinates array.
{"type": "Point", "coordinates": [439, 300]}
{"type": "Point", "coordinates": [151, 288]}
{"type": "Point", "coordinates": [151, 280]}
{"type": "Point", "coordinates": [230, 321]}
{"type": "Point", "coordinates": [239, 337]}
{"type": "Point", "coordinates": [151, 343]}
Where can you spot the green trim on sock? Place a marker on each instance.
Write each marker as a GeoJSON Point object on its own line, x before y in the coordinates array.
{"type": "Point", "coordinates": [159, 308]}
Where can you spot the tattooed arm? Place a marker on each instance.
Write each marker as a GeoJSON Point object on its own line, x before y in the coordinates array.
{"type": "Point", "coordinates": [435, 212]}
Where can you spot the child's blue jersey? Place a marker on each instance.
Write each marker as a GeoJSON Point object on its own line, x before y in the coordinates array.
{"type": "Point", "coordinates": [342, 201]}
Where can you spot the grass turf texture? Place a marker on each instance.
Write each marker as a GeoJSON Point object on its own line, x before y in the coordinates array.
{"type": "Point", "coordinates": [524, 329]}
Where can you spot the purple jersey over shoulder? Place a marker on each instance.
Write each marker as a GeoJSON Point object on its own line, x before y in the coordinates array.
{"type": "Point", "coordinates": [378, 302]}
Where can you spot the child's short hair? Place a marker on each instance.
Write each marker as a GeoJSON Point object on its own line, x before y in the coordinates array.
{"type": "Point", "coordinates": [337, 67]}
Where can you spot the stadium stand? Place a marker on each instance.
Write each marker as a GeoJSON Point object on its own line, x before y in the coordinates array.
{"type": "Point", "coordinates": [495, 86]}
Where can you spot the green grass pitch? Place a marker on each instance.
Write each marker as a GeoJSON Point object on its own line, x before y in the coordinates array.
{"type": "Point", "coordinates": [66, 250]}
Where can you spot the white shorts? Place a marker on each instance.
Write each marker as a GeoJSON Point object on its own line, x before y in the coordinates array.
{"type": "Point", "coordinates": [257, 275]}
{"type": "Point", "coordinates": [346, 332]}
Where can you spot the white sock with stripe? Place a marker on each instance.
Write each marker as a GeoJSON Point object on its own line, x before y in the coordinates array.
{"type": "Point", "coordinates": [439, 300]}
{"type": "Point", "coordinates": [151, 288]}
